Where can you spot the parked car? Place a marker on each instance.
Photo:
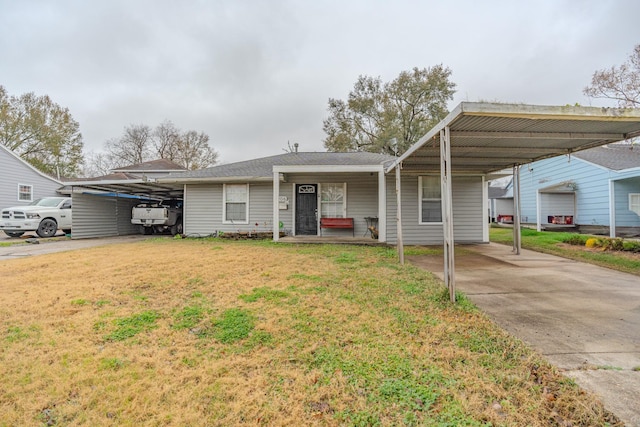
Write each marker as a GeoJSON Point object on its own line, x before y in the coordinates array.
{"type": "Point", "coordinates": [158, 217]}
{"type": "Point", "coordinates": [44, 216]}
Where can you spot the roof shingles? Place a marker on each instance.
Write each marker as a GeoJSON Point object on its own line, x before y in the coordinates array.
{"type": "Point", "coordinates": [263, 167]}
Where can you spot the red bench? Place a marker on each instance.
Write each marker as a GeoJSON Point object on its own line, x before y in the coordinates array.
{"type": "Point", "coordinates": [346, 223]}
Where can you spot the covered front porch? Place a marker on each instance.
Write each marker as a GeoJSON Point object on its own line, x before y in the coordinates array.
{"type": "Point", "coordinates": [330, 203]}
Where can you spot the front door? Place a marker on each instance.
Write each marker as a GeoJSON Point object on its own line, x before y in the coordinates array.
{"type": "Point", "coordinates": [306, 209]}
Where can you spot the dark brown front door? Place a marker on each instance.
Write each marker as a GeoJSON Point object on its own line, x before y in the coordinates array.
{"type": "Point", "coordinates": [306, 209]}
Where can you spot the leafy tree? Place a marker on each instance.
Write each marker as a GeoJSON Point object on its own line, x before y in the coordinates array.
{"type": "Point", "coordinates": [141, 143]}
{"type": "Point", "coordinates": [375, 112]}
{"type": "Point", "coordinates": [41, 132]}
{"type": "Point", "coordinates": [621, 84]}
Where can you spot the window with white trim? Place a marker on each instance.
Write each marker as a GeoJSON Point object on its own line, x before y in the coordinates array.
{"type": "Point", "coordinates": [429, 199]}
{"type": "Point", "coordinates": [333, 200]}
{"type": "Point", "coordinates": [235, 209]}
{"type": "Point", "coordinates": [25, 193]}
{"type": "Point", "coordinates": [634, 202]}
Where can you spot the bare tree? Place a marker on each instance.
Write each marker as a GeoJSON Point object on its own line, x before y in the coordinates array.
{"type": "Point", "coordinates": [165, 140]}
{"type": "Point", "coordinates": [193, 151]}
{"type": "Point", "coordinates": [133, 147]}
{"type": "Point", "coordinates": [97, 164]}
{"type": "Point", "coordinates": [621, 84]}
{"type": "Point", "coordinates": [140, 143]}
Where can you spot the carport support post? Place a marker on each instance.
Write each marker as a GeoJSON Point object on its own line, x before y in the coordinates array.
{"type": "Point", "coordinates": [276, 206]}
{"type": "Point", "coordinates": [399, 214]}
{"type": "Point", "coordinates": [517, 236]}
{"type": "Point", "coordinates": [447, 213]}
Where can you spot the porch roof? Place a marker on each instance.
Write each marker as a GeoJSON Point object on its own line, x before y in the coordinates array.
{"type": "Point", "coordinates": [489, 137]}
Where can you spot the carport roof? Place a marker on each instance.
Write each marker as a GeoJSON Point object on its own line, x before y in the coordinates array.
{"type": "Point", "coordinates": [138, 187]}
{"type": "Point", "coordinates": [490, 137]}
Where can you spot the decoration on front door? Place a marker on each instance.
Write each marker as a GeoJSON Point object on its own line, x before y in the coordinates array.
{"type": "Point", "coordinates": [307, 189]}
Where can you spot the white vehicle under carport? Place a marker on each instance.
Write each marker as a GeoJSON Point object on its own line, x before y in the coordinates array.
{"type": "Point", "coordinates": [44, 216]}
{"type": "Point", "coordinates": [158, 217]}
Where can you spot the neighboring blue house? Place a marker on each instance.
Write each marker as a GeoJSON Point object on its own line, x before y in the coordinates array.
{"type": "Point", "coordinates": [21, 183]}
{"type": "Point", "coordinates": [596, 191]}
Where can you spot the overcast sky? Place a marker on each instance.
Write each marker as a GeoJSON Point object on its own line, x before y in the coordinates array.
{"type": "Point", "coordinates": [255, 74]}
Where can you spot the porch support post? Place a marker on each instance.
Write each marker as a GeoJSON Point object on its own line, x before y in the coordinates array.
{"type": "Point", "coordinates": [382, 206]}
{"type": "Point", "coordinates": [612, 209]}
{"type": "Point", "coordinates": [447, 212]}
{"type": "Point", "coordinates": [517, 234]}
{"type": "Point", "coordinates": [538, 211]}
{"type": "Point", "coordinates": [400, 243]}
{"type": "Point", "coordinates": [276, 206]}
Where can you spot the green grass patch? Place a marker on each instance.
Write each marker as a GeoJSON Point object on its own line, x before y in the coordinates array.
{"type": "Point", "coordinates": [112, 363]}
{"type": "Point", "coordinates": [188, 318]}
{"type": "Point", "coordinates": [80, 301]}
{"type": "Point", "coordinates": [550, 242]}
{"type": "Point", "coordinates": [15, 334]}
{"type": "Point", "coordinates": [233, 325]}
{"type": "Point", "coordinates": [263, 293]}
{"type": "Point", "coordinates": [128, 327]}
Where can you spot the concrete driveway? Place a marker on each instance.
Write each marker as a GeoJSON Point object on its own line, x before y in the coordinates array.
{"type": "Point", "coordinates": [584, 319]}
{"type": "Point", "coordinates": [20, 248]}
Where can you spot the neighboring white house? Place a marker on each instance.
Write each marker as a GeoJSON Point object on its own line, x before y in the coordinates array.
{"type": "Point", "coordinates": [21, 183]}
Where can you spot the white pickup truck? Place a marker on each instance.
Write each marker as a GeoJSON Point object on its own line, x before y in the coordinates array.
{"type": "Point", "coordinates": [44, 216]}
{"type": "Point", "coordinates": [158, 217]}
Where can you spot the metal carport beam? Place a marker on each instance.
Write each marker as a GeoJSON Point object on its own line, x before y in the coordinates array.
{"type": "Point", "coordinates": [447, 212]}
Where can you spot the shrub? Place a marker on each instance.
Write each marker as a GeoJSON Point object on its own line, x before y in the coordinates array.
{"type": "Point", "coordinates": [592, 243]}
{"type": "Point", "coordinates": [576, 239]}
{"type": "Point", "coordinates": [631, 246]}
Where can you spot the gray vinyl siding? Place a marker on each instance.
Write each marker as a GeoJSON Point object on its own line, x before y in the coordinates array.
{"type": "Point", "coordinates": [203, 210]}
{"type": "Point", "coordinates": [15, 172]}
{"type": "Point", "coordinates": [362, 198]}
{"type": "Point", "coordinates": [99, 216]}
{"type": "Point", "coordinates": [203, 204]}
{"type": "Point", "coordinates": [468, 215]}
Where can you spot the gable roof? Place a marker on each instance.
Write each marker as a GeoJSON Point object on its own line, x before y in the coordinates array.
{"type": "Point", "coordinates": [160, 165]}
{"type": "Point", "coordinates": [29, 165]}
{"type": "Point", "coordinates": [613, 156]}
{"type": "Point", "coordinates": [263, 167]}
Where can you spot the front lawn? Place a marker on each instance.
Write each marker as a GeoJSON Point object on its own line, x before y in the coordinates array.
{"type": "Point", "coordinates": [221, 333]}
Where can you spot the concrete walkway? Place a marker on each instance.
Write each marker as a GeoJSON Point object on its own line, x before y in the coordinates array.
{"type": "Point", "coordinates": [584, 319]}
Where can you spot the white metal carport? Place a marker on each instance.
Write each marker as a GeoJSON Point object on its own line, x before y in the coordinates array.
{"type": "Point", "coordinates": [482, 138]}
{"type": "Point", "coordinates": [102, 207]}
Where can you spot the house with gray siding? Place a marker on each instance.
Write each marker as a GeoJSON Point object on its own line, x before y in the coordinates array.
{"type": "Point", "coordinates": [291, 192]}
{"type": "Point", "coordinates": [21, 183]}
{"type": "Point", "coordinates": [596, 191]}
{"type": "Point", "coordinates": [436, 192]}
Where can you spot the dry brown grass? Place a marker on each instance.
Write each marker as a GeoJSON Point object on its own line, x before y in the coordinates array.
{"type": "Point", "coordinates": [336, 336]}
